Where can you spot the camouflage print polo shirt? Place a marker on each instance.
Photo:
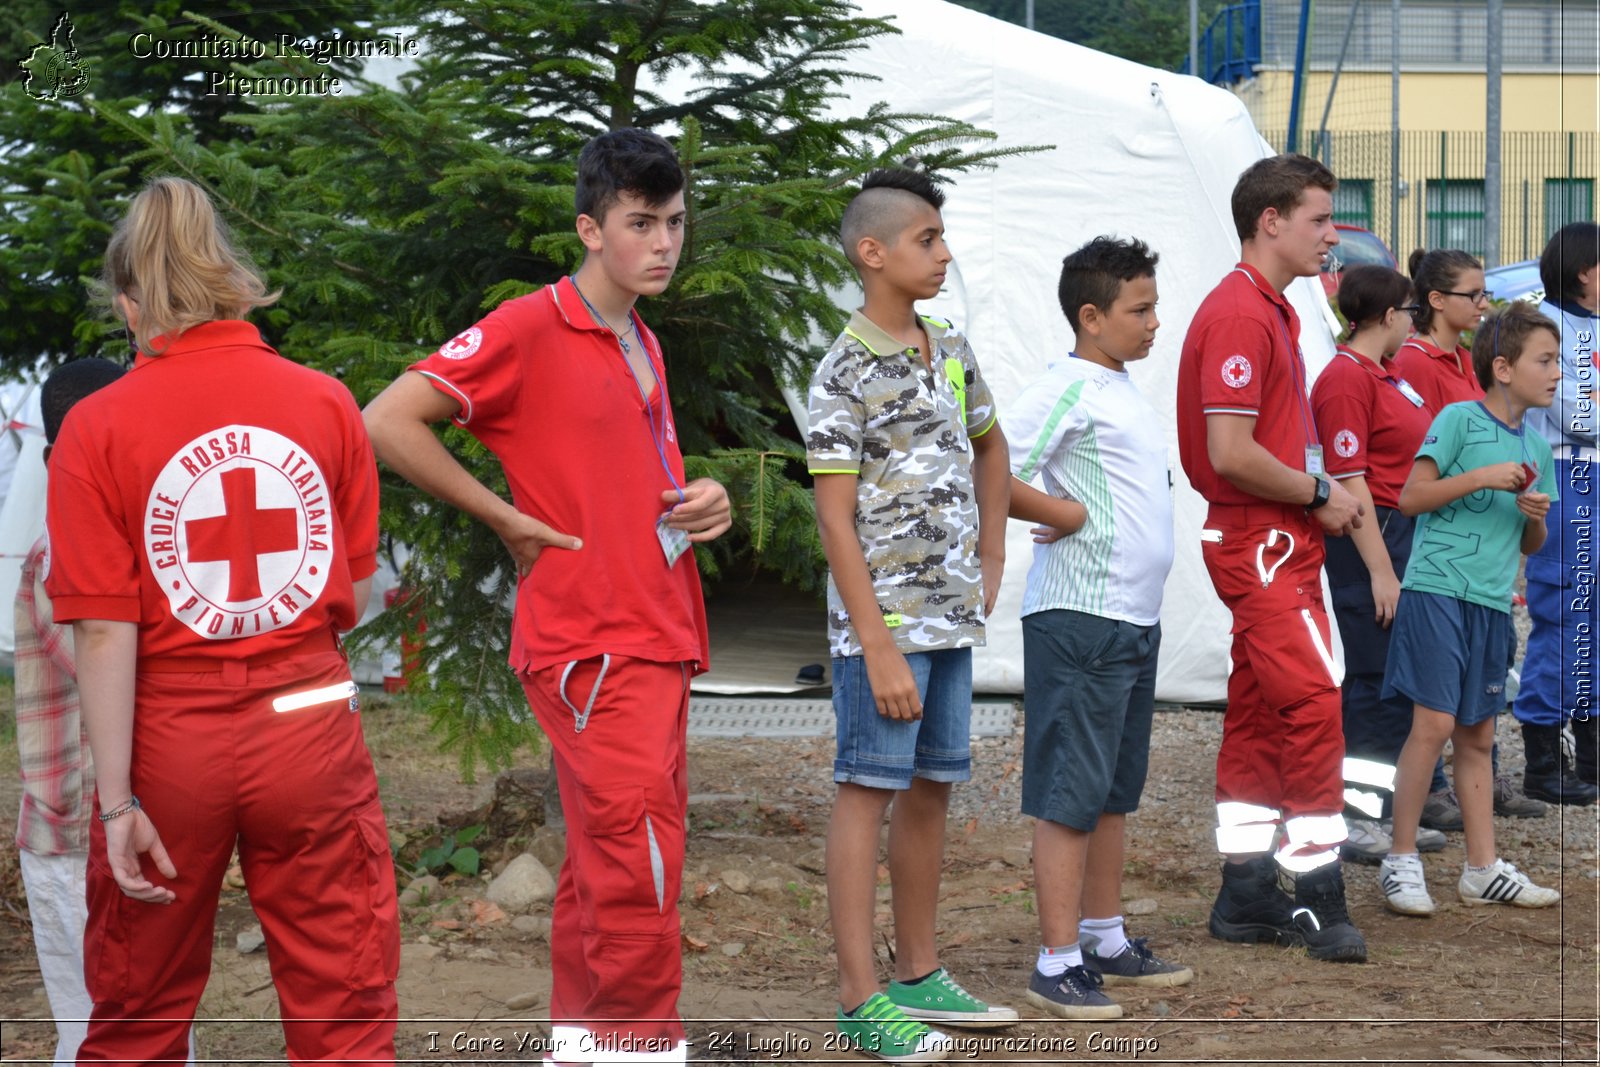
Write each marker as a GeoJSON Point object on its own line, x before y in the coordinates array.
{"type": "Point", "coordinates": [877, 411]}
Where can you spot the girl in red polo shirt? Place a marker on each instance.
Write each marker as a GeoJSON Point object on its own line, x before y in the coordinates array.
{"type": "Point", "coordinates": [1450, 300]}
{"type": "Point", "coordinates": [1371, 421]}
{"type": "Point", "coordinates": [213, 520]}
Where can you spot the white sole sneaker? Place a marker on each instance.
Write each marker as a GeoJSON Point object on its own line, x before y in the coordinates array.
{"type": "Point", "coordinates": [1504, 884]}
{"type": "Point", "coordinates": [1404, 895]}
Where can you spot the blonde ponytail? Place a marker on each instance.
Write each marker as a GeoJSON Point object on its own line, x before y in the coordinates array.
{"type": "Point", "coordinates": [171, 254]}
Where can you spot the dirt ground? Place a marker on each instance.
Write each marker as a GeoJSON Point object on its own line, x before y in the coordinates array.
{"type": "Point", "coordinates": [1463, 986]}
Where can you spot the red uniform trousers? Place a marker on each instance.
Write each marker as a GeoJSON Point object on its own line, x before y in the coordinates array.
{"type": "Point", "coordinates": [1282, 741]}
{"type": "Point", "coordinates": [214, 765]}
{"type": "Point", "coordinates": [617, 728]}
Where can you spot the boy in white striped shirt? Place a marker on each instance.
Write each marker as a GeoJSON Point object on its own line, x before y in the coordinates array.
{"type": "Point", "coordinates": [1090, 623]}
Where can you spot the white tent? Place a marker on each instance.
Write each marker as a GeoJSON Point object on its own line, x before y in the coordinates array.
{"type": "Point", "coordinates": [1138, 152]}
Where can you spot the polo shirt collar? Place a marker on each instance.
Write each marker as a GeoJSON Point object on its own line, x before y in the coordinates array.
{"type": "Point", "coordinates": [1259, 280]}
{"type": "Point", "coordinates": [575, 310]}
{"type": "Point", "coordinates": [1573, 308]}
{"type": "Point", "coordinates": [218, 333]}
{"type": "Point", "coordinates": [1384, 371]}
{"type": "Point", "coordinates": [878, 342]}
{"type": "Point", "coordinates": [1429, 348]}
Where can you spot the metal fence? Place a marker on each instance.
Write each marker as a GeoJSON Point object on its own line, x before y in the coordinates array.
{"type": "Point", "coordinates": [1547, 180]}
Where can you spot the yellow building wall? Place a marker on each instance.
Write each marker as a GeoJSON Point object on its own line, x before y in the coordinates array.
{"type": "Point", "coordinates": [1550, 127]}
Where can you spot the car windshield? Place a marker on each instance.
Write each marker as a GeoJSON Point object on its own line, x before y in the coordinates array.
{"type": "Point", "coordinates": [1355, 247]}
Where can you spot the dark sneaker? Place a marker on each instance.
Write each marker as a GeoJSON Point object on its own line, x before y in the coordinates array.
{"type": "Point", "coordinates": [1509, 801]}
{"type": "Point", "coordinates": [1323, 920]}
{"type": "Point", "coordinates": [1137, 965]}
{"type": "Point", "coordinates": [1251, 907]}
{"type": "Point", "coordinates": [940, 998]}
{"type": "Point", "coordinates": [879, 1028]}
{"type": "Point", "coordinates": [1442, 810]}
{"type": "Point", "coordinates": [1072, 995]}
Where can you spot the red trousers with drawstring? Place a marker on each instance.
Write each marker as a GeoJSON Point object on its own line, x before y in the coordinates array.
{"type": "Point", "coordinates": [617, 731]}
{"type": "Point", "coordinates": [1282, 741]}
{"type": "Point", "coordinates": [213, 766]}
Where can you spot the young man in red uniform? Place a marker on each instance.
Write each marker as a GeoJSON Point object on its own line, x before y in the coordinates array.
{"type": "Point", "coordinates": [213, 523]}
{"type": "Point", "coordinates": [1249, 445]}
{"type": "Point", "coordinates": [567, 387]}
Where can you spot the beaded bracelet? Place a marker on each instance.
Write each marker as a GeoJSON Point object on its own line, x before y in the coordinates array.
{"type": "Point", "coordinates": [131, 804]}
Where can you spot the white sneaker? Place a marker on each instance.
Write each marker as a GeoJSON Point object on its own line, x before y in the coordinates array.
{"type": "Point", "coordinates": [1502, 883]}
{"type": "Point", "coordinates": [1367, 841]}
{"type": "Point", "coordinates": [1404, 890]}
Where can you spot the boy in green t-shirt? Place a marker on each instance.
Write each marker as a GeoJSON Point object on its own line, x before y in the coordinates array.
{"type": "Point", "coordinates": [1483, 488]}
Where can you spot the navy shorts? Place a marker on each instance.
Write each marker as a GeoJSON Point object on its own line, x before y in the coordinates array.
{"type": "Point", "coordinates": [883, 753]}
{"type": "Point", "coordinates": [1089, 693]}
{"type": "Point", "coordinates": [1448, 655]}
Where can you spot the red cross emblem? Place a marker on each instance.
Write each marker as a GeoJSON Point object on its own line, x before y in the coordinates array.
{"type": "Point", "coordinates": [242, 534]}
{"type": "Point", "coordinates": [1236, 372]}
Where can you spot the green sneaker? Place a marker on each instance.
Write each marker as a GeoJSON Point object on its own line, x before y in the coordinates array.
{"type": "Point", "coordinates": [879, 1028]}
{"type": "Point", "coordinates": [940, 998]}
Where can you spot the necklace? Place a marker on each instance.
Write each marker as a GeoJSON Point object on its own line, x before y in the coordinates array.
{"type": "Point", "coordinates": [601, 319]}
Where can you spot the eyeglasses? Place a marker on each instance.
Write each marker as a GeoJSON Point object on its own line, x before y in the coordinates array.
{"type": "Point", "coordinates": [1477, 296]}
{"type": "Point", "coordinates": [1410, 308]}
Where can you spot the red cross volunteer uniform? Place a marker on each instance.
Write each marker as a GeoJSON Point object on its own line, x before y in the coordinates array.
{"type": "Point", "coordinates": [1441, 377]}
{"type": "Point", "coordinates": [1282, 747]}
{"type": "Point", "coordinates": [605, 639]}
{"type": "Point", "coordinates": [225, 500]}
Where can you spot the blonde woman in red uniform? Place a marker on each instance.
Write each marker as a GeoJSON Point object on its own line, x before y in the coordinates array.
{"type": "Point", "coordinates": [213, 526]}
{"type": "Point", "coordinates": [1450, 300]}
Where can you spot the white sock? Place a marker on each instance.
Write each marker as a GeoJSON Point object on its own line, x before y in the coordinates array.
{"type": "Point", "coordinates": [1053, 962]}
{"type": "Point", "coordinates": [1470, 869]}
{"type": "Point", "coordinates": [1104, 937]}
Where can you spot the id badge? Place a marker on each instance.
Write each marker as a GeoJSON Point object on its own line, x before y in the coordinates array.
{"type": "Point", "coordinates": [673, 542]}
{"type": "Point", "coordinates": [1409, 393]}
{"type": "Point", "coordinates": [1314, 460]}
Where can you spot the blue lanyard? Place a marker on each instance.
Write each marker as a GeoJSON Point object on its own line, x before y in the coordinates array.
{"type": "Point", "coordinates": [658, 434]}
{"type": "Point", "coordinates": [1297, 365]}
{"type": "Point", "coordinates": [1385, 377]}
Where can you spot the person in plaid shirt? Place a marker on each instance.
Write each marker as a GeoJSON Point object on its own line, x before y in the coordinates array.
{"type": "Point", "coordinates": [57, 775]}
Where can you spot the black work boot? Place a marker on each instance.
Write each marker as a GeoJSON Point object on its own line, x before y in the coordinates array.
{"type": "Point", "coordinates": [1586, 734]}
{"type": "Point", "coordinates": [1547, 776]}
{"type": "Point", "coordinates": [1323, 919]}
{"type": "Point", "coordinates": [1251, 907]}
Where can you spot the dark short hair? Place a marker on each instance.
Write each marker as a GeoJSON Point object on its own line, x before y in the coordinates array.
{"type": "Point", "coordinates": [1094, 273]}
{"type": "Point", "coordinates": [1369, 291]}
{"type": "Point", "coordinates": [626, 161]}
{"type": "Point", "coordinates": [1277, 181]}
{"type": "Point", "coordinates": [1438, 271]}
{"type": "Point", "coordinates": [70, 383]}
{"type": "Point", "coordinates": [1572, 250]}
{"type": "Point", "coordinates": [881, 207]}
{"type": "Point", "coordinates": [1505, 332]}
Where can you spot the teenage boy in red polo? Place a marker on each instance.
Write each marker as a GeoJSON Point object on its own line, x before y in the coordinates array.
{"type": "Point", "coordinates": [568, 389]}
{"type": "Point", "coordinates": [1249, 445]}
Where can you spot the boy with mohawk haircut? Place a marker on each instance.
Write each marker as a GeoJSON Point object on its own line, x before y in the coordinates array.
{"type": "Point", "coordinates": [912, 487]}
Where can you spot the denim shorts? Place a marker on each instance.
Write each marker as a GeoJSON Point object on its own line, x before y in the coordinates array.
{"type": "Point", "coordinates": [883, 753]}
{"type": "Point", "coordinates": [1089, 689]}
{"type": "Point", "coordinates": [1448, 655]}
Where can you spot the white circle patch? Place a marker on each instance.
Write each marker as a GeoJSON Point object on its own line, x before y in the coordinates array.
{"type": "Point", "coordinates": [238, 532]}
{"type": "Point", "coordinates": [1236, 372]}
{"type": "Point", "coordinates": [1346, 443]}
{"type": "Point", "coordinates": [462, 344]}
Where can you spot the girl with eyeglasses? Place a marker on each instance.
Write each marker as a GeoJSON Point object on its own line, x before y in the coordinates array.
{"type": "Point", "coordinates": [1371, 421]}
{"type": "Point", "coordinates": [1450, 300]}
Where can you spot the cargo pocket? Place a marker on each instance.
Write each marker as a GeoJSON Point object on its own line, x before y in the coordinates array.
{"type": "Point", "coordinates": [375, 953]}
{"type": "Point", "coordinates": [626, 883]}
{"type": "Point", "coordinates": [107, 953]}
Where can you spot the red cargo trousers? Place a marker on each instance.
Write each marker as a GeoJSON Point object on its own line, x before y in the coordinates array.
{"type": "Point", "coordinates": [214, 765]}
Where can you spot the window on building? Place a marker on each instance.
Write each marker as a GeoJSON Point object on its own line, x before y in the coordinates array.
{"type": "Point", "coordinates": [1567, 200]}
{"type": "Point", "coordinates": [1455, 215]}
{"type": "Point", "coordinates": [1352, 202]}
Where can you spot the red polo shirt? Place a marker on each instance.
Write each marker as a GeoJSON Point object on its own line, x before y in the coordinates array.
{"type": "Point", "coordinates": [1441, 377]}
{"type": "Point", "coordinates": [1367, 423]}
{"type": "Point", "coordinates": [549, 392]}
{"type": "Point", "coordinates": [1238, 359]}
{"type": "Point", "coordinates": [220, 496]}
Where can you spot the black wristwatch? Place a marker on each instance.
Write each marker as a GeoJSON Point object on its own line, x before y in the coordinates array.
{"type": "Point", "coordinates": [1320, 497]}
